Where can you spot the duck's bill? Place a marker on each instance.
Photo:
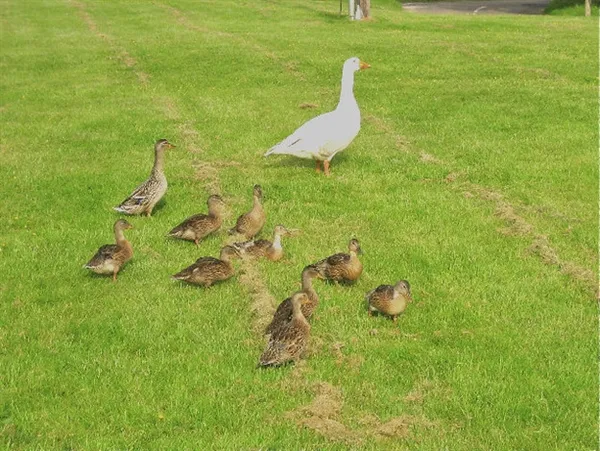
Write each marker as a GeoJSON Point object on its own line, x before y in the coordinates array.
{"type": "Point", "coordinates": [364, 65]}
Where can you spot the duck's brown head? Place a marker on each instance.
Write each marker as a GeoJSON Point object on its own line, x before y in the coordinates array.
{"type": "Point", "coordinates": [300, 299]}
{"type": "Point", "coordinates": [403, 287]}
{"type": "Point", "coordinates": [122, 224]}
{"type": "Point", "coordinates": [281, 230]}
{"type": "Point", "coordinates": [258, 192]}
{"type": "Point", "coordinates": [163, 144]}
{"type": "Point", "coordinates": [215, 203]}
{"type": "Point", "coordinates": [310, 271]}
{"type": "Point", "coordinates": [354, 246]}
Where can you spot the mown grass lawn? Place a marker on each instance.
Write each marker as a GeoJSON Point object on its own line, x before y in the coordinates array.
{"type": "Point", "coordinates": [474, 176]}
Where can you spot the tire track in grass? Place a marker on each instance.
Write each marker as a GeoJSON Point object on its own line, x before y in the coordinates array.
{"type": "Point", "coordinates": [263, 302]}
{"type": "Point", "coordinates": [189, 136]}
{"type": "Point", "coordinates": [121, 54]}
{"type": "Point", "coordinates": [515, 225]}
{"type": "Point", "coordinates": [241, 41]}
{"type": "Point", "coordinates": [540, 244]}
{"type": "Point", "coordinates": [323, 415]}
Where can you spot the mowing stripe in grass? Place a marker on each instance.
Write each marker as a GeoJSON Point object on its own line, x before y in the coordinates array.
{"type": "Point", "coordinates": [242, 41]}
{"type": "Point", "coordinates": [120, 52]}
{"type": "Point", "coordinates": [188, 135]}
{"type": "Point", "coordinates": [516, 225]}
{"type": "Point", "coordinates": [263, 305]}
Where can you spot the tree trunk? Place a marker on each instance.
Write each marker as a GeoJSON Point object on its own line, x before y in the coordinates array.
{"type": "Point", "coordinates": [365, 6]}
{"type": "Point", "coordinates": [588, 8]}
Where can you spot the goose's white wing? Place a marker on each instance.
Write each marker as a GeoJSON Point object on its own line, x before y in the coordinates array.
{"type": "Point", "coordinates": [321, 137]}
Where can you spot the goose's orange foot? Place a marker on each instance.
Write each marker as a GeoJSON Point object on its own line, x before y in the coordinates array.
{"type": "Point", "coordinates": [326, 167]}
{"type": "Point", "coordinates": [318, 166]}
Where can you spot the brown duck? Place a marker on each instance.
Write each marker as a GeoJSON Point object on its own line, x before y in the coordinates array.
{"type": "Point", "coordinates": [111, 257]}
{"type": "Point", "coordinates": [146, 196]}
{"type": "Point", "coordinates": [208, 270]}
{"type": "Point", "coordinates": [272, 250]}
{"type": "Point", "coordinates": [250, 223]}
{"type": "Point", "coordinates": [196, 227]}
{"type": "Point", "coordinates": [288, 342]}
{"type": "Point", "coordinates": [390, 300]}
{"type": "Point", "coordinates": [284, 311]}
{"type": "Point", "coordinates": [341, 267]}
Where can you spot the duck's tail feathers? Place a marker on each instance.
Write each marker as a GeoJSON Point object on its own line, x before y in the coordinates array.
{"type": "Point", "coordinates": [122, 209]}
{"type": "Point", "coordinates": [176, 232]}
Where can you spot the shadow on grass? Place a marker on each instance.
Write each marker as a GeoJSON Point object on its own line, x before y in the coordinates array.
{"type": "Point", "coordinates": [289, 161]}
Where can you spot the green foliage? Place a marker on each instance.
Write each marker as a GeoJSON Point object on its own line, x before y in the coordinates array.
{"type": "Point", "coordinates": [570, 8]}
{"type": "Point", "coordinates": [474, 177]}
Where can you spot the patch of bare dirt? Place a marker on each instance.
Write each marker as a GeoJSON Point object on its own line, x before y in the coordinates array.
{"type": "Point", "coordinates": [516, 225]}
{"type": "Point", "coordinates": [542, 248]}
{"type": "Point", "coordinates": [425, 157]}
{"type": "Point", "coordinates": [321, 415]}
{"type": "Point", "coordinates": [263, 302]}
{"type": "Point", "coordinates": [206, 173]}
{"type": "Point", "coordinates": [380, 124]}
{"type": "Point", "coordinates": [305, 106]}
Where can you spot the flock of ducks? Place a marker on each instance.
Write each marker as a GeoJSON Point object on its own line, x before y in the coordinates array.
{"type": "Point", "coordinates": [289, 330]}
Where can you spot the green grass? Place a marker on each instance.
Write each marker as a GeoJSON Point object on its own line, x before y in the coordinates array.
{"type": "Point", "coordinates": [479, 139]}
{"type": "Point", "coordinates": [570, 8]}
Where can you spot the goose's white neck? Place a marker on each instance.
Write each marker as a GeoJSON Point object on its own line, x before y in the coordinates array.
{"type": "Point", "coordinates": [347, 92]}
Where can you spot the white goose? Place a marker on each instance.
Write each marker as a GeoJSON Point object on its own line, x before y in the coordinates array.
{"type": "Point", "coordinates": [324, 136]}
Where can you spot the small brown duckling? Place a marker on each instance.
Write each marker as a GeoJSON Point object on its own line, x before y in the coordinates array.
{"type": "Point", "coordinates": [208, 270]}
{"type": "Point", "coordinates": [249, 224]}
{"type": "Point", "coordinates": [390, 300]}
{"type": "Point", "coordinates": [196, 227]}
{"type": "Point", "coordinates": [146, 196]}
{"type": "Point", "coordinates": [341, 267]}
{"type": "Point", "coordinates": [272, 250]}
{"type": "Point", "coordinates": [288, 342]}
{"type": "Point", "coordinates": [284, 311]}
{"type": "Point", "coordinates": [111, 257]}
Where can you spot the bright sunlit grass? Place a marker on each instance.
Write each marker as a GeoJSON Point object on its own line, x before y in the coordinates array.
{"type": "Point", "coordinates": [474, 177]}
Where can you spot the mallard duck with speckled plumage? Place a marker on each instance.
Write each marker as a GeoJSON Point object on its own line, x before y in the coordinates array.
{"type": "Point", "coordinates": [250, 223]}
{"type": "Point", "coordinates": [196, 227]}
{"type": "Point", "coordinates": [341, 267]}
{"type": "Point", "coordinates": [288, 342]}
{"type": "Point", "coordinates": [146, 196]}
{"type": "Point", "coordinates": [111, 257]}
{"type": "Point", "coordinates": [390, 300]}
{"type": "Point", "coordinates": [208, 270]}
{"type": "Point", "coordinates": [272, 250]}
{"type": "Point", "coordinates": [284, 311]}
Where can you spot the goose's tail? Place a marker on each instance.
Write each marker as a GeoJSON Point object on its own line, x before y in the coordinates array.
{"type": "Point", "coordinates": [272, 150]}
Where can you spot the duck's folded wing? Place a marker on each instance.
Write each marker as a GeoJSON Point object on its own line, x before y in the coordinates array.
{"type": "Point", "coordinates": [338, 259]}
{"type": "Point", "coordinates": [382, 292]}
{"type": "Point", "coordinates": [106, 252]}
{"type": "Point", "coordinates": [189, 223]}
